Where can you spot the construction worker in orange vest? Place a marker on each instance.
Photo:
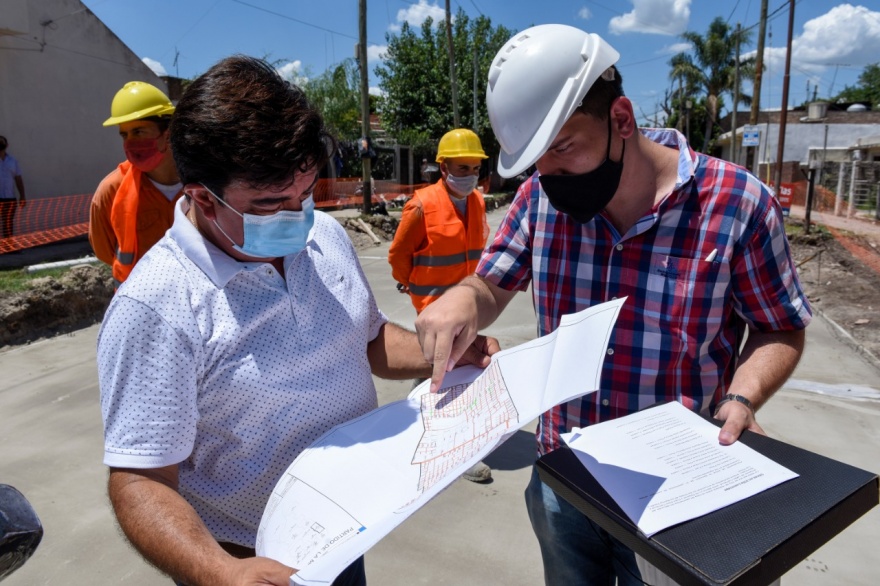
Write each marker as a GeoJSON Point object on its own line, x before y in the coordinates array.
{"type": "Point", "coordinates": [133, 206]}
{"type": "Point", "coordinates": [442, 233]}
{"type": "Point", "coordinates": [443, 228]}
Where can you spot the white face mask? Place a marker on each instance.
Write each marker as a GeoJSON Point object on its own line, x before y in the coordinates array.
{"type": "Point", "coordinates": [462, 185]}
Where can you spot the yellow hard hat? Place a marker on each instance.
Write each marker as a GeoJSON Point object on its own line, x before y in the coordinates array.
{"type": "Point", "coordinates": [137, 100]}
{"type": "Point", "coordinates": [460, 142]}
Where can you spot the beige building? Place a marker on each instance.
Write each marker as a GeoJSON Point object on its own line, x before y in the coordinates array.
{"type": "Point", "coordinates": [60, 67]}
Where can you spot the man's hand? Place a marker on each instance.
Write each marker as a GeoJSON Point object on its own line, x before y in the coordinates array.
{"type": "Point", "coordinates": [736, 417]}
{"type": "Point", "coordinates": [479, 353]}
{"type": "Point", "coordinates": [258, 571]}
{"type": "Point", "coordinates": [401, 288]}
{"type": "Point", "coordinates": [765, 363]}
{"type": "Point", "coordinates": [446, 329]}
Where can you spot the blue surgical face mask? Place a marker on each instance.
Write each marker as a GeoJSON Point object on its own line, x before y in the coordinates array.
{"type": "Point", "coordinates": [277, 235]}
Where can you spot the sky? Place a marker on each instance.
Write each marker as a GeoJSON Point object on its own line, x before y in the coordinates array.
{"type": "Point", "coordinates": [832, 42]}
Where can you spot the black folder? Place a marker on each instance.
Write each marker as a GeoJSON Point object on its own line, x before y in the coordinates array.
{"type": "Point", "coordinates": [751, 542]}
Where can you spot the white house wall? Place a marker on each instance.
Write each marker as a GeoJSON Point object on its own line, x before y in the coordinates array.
{"type": "Point", "coordinates": [58, 79]}
{"type": "Point", "coordinates": [800, 138]}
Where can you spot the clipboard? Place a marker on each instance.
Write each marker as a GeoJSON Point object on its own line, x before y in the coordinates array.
{"type": "Point", "coordinates": [750, 543]}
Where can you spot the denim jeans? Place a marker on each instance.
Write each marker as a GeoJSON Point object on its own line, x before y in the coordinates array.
{"type": "Point", "coordinates": [576, 551]}
{"type": "Point", "coordinates": [353, 575]}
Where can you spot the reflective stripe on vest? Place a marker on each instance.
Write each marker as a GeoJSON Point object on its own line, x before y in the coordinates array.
{"type": "Point", "coordinates": [125, 258]}
{"type": "Point", "coordinates": [453, 245]}
{"type": "Point", "coordinates": [448, 260]}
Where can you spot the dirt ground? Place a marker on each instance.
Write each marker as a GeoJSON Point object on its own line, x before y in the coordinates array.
{"type": "Point", "coordinates": [78, 299]}
{"type": "Point", "coordinates": [840, 273]}
{"type": "Point", "coordinates": [54, 306]}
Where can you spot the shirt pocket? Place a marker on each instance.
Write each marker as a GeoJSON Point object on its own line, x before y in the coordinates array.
{"type": "Point", "coordinates": [686, 299]}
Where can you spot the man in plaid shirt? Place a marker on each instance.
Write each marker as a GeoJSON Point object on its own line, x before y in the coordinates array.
{"type": "Point", "coordinates": [696, 245]}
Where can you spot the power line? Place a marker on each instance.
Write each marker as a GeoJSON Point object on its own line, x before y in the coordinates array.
{"type": "Point", "coordinates": [771, 16]}
{"type": "Point", "coordinates": [83, 9]}
{"type": "Point", "coordinates": [732, 12]}
{"type": "Point", "coordinates": [189, 30]}
{"type": "Point", "coordinates": [44, 44]}
{"type": "Point", "coordinates": [260, 8]}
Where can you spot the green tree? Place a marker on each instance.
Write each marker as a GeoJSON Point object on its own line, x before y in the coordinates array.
{"type": "Point", "coordinates": [686, 80]}
{"type": "Point", "coordinates": [867, 89]}
{"type": "Point", "coordinates": [711, 67]}
{"type": "Point", "coordinates": [336, 94]}
{"type": "Point", "coordinates": [417, 105]}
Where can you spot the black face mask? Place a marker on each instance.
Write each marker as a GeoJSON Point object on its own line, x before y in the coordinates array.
{"type": "Point", "coordinates": [583, 196]}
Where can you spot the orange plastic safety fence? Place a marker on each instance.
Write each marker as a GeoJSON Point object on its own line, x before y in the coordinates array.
{"type": "Point", "coordinates": [348, 192]}
{"type": "Point", "coordinates": [51, 219]}
{"type": "Point", "coordinates": [46, 220]}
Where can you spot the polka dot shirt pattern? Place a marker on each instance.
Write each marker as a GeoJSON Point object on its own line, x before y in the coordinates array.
{"type": "Point", "coordinates": [230, 369]}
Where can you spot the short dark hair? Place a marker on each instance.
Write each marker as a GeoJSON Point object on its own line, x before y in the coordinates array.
{"type": "Point", "coordinates": [4, 142]}
{"type": "Point", "coordinates": [241, 121]}
{"type": "Point", "coordinates": [601, 95]}
{"type": "Point", "coordinates": [162, 122]}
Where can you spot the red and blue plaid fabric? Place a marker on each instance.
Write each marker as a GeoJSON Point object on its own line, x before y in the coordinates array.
{"type": "Point", "coordinates": [686, 307]}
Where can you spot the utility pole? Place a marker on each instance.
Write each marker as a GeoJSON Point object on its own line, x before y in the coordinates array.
{"type": "Point", "coordinates": [688, 104]}
{"type": "Point", "coordinates": [783, 114]}
{"type": "Point", "coordinates": [452, 83]}
{"type": "Point", "coordinates": [680, 123]}
{"type": "Point", "coordinates": [759, 65]}
{"type": "Point", "coordinates": [475, 85]}
{"type": "Point", "coordinates": [735, 146]}
{"type": "Point", "coordinates": [756, 93]}
{"type": "Point", "coordinates": [365, 107]}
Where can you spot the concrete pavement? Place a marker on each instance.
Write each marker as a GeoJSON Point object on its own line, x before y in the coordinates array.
{"type": "Point", "coordinates": [50, 430]}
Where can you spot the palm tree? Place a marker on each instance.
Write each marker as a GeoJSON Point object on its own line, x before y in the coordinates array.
{"type": "Point", "coordinates": [687, 77]}
{"type": "Point", "coordinates": [711, 65]}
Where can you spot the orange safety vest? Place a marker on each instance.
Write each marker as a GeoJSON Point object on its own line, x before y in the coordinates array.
{"type": "Point", "coordinates": [452, 247]}
{"type": "Point", "coordinates": [123, 218]}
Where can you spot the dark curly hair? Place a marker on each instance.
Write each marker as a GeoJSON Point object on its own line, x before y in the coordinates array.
{"type": "Point", "coordinates": [241, 121]}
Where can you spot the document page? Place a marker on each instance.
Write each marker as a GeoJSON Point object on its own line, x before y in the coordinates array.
{"type": "Point", "coordinates": [664, 466]}
{"type": "Point", "coordinates": [364, 477]}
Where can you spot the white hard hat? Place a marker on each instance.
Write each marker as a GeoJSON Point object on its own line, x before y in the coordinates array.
{"type": "Point", "coordinates": [536, 82]}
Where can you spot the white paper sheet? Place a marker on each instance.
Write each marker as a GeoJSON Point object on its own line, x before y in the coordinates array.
{"type": "Point", "coordinates": [664, 466]}
{"type": "Point", "coordinates": [364, 477]}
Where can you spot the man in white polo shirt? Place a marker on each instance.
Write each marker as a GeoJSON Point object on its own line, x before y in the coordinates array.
{"type": "Point", "coordinates": [243, 335]}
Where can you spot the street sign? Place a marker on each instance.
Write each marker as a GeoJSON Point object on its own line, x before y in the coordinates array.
{"type": "Point", "coordinates": [751, 136]}
{"type": "Point", "coordinates": [786, 190]}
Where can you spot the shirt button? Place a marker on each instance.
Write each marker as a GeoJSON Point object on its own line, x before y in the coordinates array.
{"type": "Point", "coordinates": [605, 402]}
{"type": "Point", "coordinates": [610, 351]}
{"type": "Point", "coordinates": [619, 247]}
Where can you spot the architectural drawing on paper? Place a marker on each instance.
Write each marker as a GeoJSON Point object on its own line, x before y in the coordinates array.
{"type": "Point", "coordinates": [460, 422]}
{"type": "Point", "coordinates": [307, 524]}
